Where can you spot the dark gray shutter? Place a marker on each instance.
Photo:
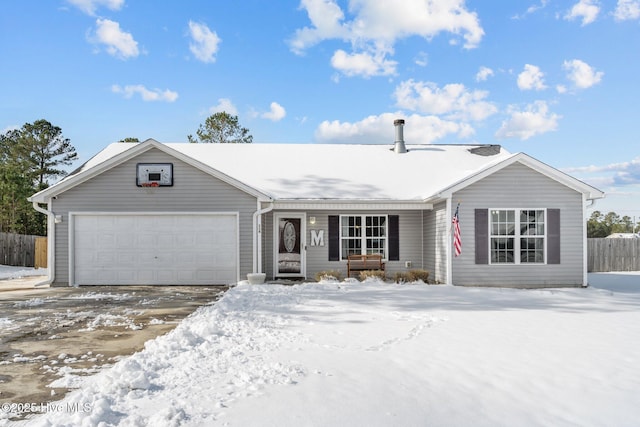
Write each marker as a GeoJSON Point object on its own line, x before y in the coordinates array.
{"type": "Point", "coordinates": [394, 238]}
{"type": "Point", "coordinates": [334, 238]}
{"type": "Point", "coordinates": [553, 236]}
{"type": "Point", "coordinates": [482, 236]}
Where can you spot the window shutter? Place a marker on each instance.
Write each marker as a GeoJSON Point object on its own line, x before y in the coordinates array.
{"type": "Point", "coordinates": [394, 238]}
{"type": "Point", "coordinates": [482, 236]}
{"type": "Point", "coordinates": [334, 238]}
{"type": "Point", "coordinates": [553, 236]}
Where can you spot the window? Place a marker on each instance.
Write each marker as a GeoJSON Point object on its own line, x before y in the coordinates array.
{"type": "Point", "coordinates": [363, 234]}
{"type": "Point", "coordinates": [517, 236]}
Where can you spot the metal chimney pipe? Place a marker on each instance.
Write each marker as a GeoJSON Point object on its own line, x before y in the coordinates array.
{"type": "Point", "coordinates": [399, 146]}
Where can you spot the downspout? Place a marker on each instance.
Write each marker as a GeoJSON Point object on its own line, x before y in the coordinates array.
{"type": "Point", "coordinates": [257, 236]}
{"type": "Point", "coordinates": [585, 241]}
{"type": "Point", "coordinates": [51, 235]}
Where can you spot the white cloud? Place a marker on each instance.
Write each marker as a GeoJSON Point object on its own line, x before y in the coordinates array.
{"type": "Point", "coordinates": [582, 74]}
{"type": "Point", "coordinates": [615, 167]}
{"type": "Point", "coordinates": [587, 10]}
{"type": "Point", "coordinates": [535, 119]}
{"type": "Point", "coordinates": [483, 74]}
{"type": "Point", "coordinates": [374, 26]}
{"type": "Point", "coordinates": [146, 94]}
{"type": "Point", "coordinates": [224, 105]}
{"type": "Point", "coordinates": [454, 101]}
{"type": "Point", "coordinates": [326, 19]}
{"type": "Point", "coordinates": [205, 43]}
{"type": "Point", "coordinates": [627, 10]}
{"type": "Point", "coordinates": [378, 130]}
{"type": "Point", "coordinates": [532, 9]}
{"type": "Point", "coordinates": [422, 59]}
{"type": "Point", "coordinates": [276, 113]}
{"type": "Point", "coordinates": [531, 78]}
{"type": "Point", "coordinates": [90, 6]}
{"type": "Point", "coordinates": [118, 43]}
{"type": "Point", "coordinates": [362, 64]}
{"type": "Point", "coordinates": [623, 173]}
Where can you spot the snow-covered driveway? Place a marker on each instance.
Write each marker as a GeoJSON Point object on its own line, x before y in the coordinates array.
{"type": "Point", "coordinates": [375, 354]}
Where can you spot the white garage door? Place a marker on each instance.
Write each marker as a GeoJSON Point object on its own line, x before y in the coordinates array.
{"type": "Point", "coordinates": [141, 249]}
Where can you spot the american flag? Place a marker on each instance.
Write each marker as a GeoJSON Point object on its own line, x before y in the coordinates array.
{"type": "Point", "coordinates": [457, 241]}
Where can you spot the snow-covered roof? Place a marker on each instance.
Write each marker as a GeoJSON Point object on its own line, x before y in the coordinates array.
{"type": "Point", "coordinates": [339, 172]}
{"type": "Point", "coordinates": [334, 171]}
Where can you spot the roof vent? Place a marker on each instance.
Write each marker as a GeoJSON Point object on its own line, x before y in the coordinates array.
{"type": "Point", "coordinates": [486, 150]}
{"type": "Point", "coordinates": [399, 146]}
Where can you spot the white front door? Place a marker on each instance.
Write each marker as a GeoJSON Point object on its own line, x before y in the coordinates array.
{"type": "Point", "coordinates": [290, 245]}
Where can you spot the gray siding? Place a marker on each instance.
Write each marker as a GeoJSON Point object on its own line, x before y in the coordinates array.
{"type": "Point", "coordinates": [435, 242]}
{"type": "Point", "coordinates": [428, 250]}
{"type": "Point", "coordinates": [440, 244]}
{"type": "Point", "coordinates": [518, 186]}
{"type": "Point", "coordinates": [267, 244]}
{"type": "Point", "coordinates": [115, 191]}
{"type": "Point", "coordinates": [317, 257]}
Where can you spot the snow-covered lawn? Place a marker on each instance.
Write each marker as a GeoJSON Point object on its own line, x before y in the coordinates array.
{"type": "Point", "coordinates": [374, 354]}
{"type": "Point", "coordinates": [8, 272]}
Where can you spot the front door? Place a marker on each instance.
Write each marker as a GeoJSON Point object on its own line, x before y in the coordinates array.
{"type": "Point", "coordinates": [290, 245]}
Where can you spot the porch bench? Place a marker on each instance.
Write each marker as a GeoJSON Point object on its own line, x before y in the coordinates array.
{"type": "Point", "coordinates": [361, 262]}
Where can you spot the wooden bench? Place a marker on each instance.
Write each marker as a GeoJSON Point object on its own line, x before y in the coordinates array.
{"type": "Point", "coordinates": [364, 262]}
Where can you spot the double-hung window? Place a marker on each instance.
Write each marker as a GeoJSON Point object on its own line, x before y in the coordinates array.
{"type": "Point", "coordinates": [363, 234]}
{"type": "Point", "coordinates": [517, 236]}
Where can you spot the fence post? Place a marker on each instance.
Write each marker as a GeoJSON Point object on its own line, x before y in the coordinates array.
{"type": "Point", "coordinates": [41, 253]}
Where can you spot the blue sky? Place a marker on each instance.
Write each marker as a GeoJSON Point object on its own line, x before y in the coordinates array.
{"type": "Point", "coordinates": [554, 79]}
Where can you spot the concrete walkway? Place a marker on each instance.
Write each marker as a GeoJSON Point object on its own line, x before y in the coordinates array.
{"type": "Point", "coordinates": [23, 284]}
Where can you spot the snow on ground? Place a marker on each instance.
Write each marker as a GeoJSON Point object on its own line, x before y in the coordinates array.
{"type": "Point", "coordinates": [374, 354]}
{"type": "Point", "coordinates": [8, 272]}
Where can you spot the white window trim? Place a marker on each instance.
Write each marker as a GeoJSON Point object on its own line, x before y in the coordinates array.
{"type": "Point", "coordinates": [518, 236]}
{"type": "Point", "coordinates": [363, 237]}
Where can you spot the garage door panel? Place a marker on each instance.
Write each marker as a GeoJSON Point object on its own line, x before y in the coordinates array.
{"type": "Point", "coordinates": [102, 257]}
{"type": "Point", "coordinates": [127, 222]}
{"type": "Point", "coordinates": [165, 277]}
{"type": "Point", "coordinates": [155, 249]}
{"type": "Point", "coordinates": [147, 238]}
{"type": "Point", "coordinates": [224, 259]}
{"type": "Point", "coordinates": [187, 258]}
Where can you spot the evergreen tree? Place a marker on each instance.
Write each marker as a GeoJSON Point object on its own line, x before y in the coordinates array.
{"type": "Point", "coordinates": [221, 128]}
{"type": "Point", "coordinates": [29, 158]}
{"type": "Point", "coordinates": [600, 225]}
{"type": "Point", "coordinates": [45, 150]}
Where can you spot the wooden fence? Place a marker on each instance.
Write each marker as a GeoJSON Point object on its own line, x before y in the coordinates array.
{"type": "Point", "coordinates": [22, 251]}
{"type": "Point", "coordinates": [613, 255]}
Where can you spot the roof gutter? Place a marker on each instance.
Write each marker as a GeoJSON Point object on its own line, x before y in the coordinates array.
{"type": "Point", "coordinates": [51, 221]}
{"type": "Point", "coordinates": [257, 236]}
